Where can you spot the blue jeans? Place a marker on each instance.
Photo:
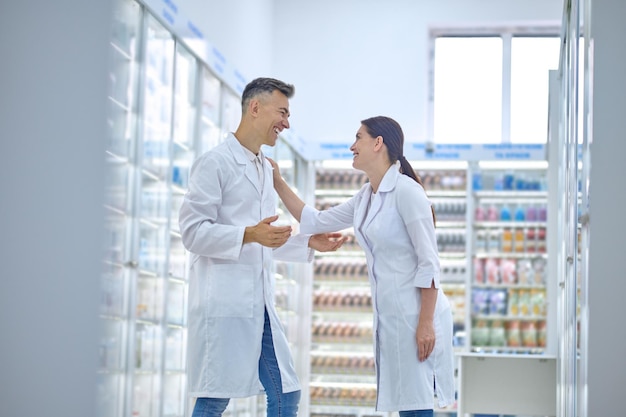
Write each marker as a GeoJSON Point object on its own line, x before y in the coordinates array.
{"type": "Point", "coordinates": [417, 413]}
{"type": "Point", "coordinates": [279, 404]}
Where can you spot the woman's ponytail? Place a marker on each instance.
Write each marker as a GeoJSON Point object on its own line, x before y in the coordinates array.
{"type": "Point", "coordinates": [408, 170]}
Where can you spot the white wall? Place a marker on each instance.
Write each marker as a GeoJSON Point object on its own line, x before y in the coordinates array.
{"type": "Point", "coordinates": [352, 59]}
{"type": "Point", "coordinates": [52, 135]}
{"type": "Point", "coordinates": [240, 29]}
{"type": "Point", "coordinates": [607, 286]}
{"type": "Point", "coordinates": [349, 59]}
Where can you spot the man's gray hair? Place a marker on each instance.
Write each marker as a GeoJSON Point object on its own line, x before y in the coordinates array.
{"type": "Point", "coordinates": [261, 86]}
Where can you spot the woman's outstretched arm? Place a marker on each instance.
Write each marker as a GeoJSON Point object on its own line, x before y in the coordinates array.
{"type": "Point", "coordinates": [291, 200]}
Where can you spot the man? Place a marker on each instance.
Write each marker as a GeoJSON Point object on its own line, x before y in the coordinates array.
{"type": "Point", "coordinates": [236, 343]}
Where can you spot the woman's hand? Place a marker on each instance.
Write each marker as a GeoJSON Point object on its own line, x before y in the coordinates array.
{"type": "Point", "coordinates": [425, 337]}
{"type": "Point", "coordinates": [291, 200]}
{"type": "Point", "coordinates": [425, 333]}
{"type": "Point", "coordinates": [275, 170]}
{"type": "Point", "coordinates": [327, 242]}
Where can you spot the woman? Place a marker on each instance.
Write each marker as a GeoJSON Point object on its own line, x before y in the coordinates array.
{"type": "Point", "coordinates": [393, 222]}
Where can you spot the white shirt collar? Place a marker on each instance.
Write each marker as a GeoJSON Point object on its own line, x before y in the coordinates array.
{"type": "Point", "coordinates": [251, 156]}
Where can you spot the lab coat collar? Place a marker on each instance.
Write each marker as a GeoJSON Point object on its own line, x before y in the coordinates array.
{"type": "Point", "coordinates": [387, 184]}
{"type": "Point", "coordinates": [241, 158]}
{"type": "Point", "coordinates": [390, 179]}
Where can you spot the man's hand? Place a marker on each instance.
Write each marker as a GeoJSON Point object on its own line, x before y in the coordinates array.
{"type": "Point", "coordinates": [266, 234]}
{"type": "Point", "coordinates": [327, 242]}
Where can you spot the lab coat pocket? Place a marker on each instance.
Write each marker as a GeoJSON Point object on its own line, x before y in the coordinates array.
{"type": "Point", "coordinates": [230, 290]}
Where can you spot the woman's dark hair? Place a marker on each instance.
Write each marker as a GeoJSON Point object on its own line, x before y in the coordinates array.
{"type": "Point", "coordinates": [393, 138]}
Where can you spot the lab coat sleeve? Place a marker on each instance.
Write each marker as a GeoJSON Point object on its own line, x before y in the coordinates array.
{"type": "Point", "coordinates": [202, 234]}
{"type": "Point", "coordinates": [331, 220]}
{"type": "Point", "coordinates": [296, 249]}
{"type": "Point", "coordinates": [415, 210]}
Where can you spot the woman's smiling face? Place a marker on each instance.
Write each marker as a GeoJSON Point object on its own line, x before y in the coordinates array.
{"type": "Point", "coordinates": [362, 148]}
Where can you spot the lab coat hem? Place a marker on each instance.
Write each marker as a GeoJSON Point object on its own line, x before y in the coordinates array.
{"type": "Point", "coordinates": [291, 388]}
{"type": "Point", "coordinates": [405, 407]}
{"type": "Point", "coordinates": [215, 394]}
{"type": "Point", "coordinates": [444, 403]}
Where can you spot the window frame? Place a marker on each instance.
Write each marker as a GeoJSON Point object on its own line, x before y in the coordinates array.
{"type": "Point", "coordinates": [506, 33]}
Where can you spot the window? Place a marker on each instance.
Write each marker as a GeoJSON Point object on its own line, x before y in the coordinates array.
{"type": "Point", "coordinates": [468, 90]}
{"type": "Point", "coordinates": [491, 86]}
{"type": "Point", "coordinates": [531, 59]}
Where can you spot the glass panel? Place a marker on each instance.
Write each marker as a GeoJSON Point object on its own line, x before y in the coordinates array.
{"type": "Point", "coordinates": [174, 395]}
{"type": "Point", "coordinates": [122, 77]}
{"type": "Point", "coordinates": [110, 395]}
{"type": "Point", "coordinates": [285, 158]}
{"type": "Point", "coordinates": [176, 303]}
{"type": "Point", "coordinates": [210, 96]}
{"type": "Point", "coordinates": [211, 99]}
{"type": "Point", "coordinates": [145, 391]}
{"type": "Point", "coordinates": [178, 259]}
{"type": "Point", "coordinates": [231, 112]}
{"type": "Point", "coordinates": [286, 288]}
{"type": "Point", "coordinates": [149, 298]}
{"type": "Point", "coordinates": [154, 201]}
{"type": "Point", "coordinates": [468, 90]}
{"type": "Point", "coordinates": [112, 345]}
{"type": "Point", "coordinates": [148, 347]}
{"type": "Point", "coordinates": [151, 248]}
{"type": "Point", "coordinates": [120, 80]}
{"type": "Point", "coordinates": [174, 349]}
{"type": "Point", "coordinates": [112, 293]}
{"type": "Point", "coordinates": [117, 184]}
{"type": "Point", "coordinates": [119, 203]}
{"type": "Point", "coordinates": [184, 117]}
{"type": "Point", "coordinates": [177, 201]}
{"type": "Point", "coordinates": [121, 129]}
{"type": "Point", "coordinates": [581, 89]}
{"type": "Point", "coordinates": [210, 136]}
{"type": "Point", "coordinates": [185, 97]}
{"type": "Point", "coordinates": [126, 26]}
{"type": "Point", "coordinates": [531, 59]}
{"type": "Point", "coordinates": [115, 232]}
{"type": "Point", "coordinates": [158, 99]}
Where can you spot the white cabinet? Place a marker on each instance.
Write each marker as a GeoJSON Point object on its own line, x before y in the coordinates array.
{"type": "Point", "coordinates": [508, 384]}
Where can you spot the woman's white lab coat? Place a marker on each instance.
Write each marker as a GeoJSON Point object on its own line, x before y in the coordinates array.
{"type": "Point", "coordinates": [231, 284]}
{"type": "Point", "coordinates": [398, 238]}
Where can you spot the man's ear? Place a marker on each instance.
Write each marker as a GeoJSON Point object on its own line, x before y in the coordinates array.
{"type": "Point", "coordinates": [253, 107]}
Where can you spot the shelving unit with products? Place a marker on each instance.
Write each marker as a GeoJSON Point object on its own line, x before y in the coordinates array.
{"type": "Point", "coordinates": [342, 368]}
{"type": "Point", "coordinates": [342, 362]}
{"type": "Point", "coordinates": [293, 279]}
{"type": "Point", "coordinates": [507, 286]}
